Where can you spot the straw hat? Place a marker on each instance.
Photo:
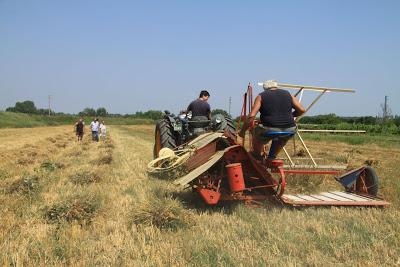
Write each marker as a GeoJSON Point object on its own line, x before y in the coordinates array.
{"type": "Point", "coordinates": [270, 84]}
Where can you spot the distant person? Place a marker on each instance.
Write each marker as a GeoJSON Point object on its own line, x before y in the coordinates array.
{"type": "Point", "coordinates": [80, 129]}
{"type": "Point", "coordinates": [199, 107]}
{"type": "Point", "coordinates": [94, 127]}
{"type": "Point", "coordinates": [277, 111]}
{"type": "Point", "coordinates": [103, 130]}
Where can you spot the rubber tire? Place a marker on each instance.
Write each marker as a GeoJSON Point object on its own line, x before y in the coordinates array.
{"type": "Point", "coordinates": [164, 136]}
{"type": "Point", "coordinates": [372, 181]}
{"type": "Point", "coordinates": [230, 126]}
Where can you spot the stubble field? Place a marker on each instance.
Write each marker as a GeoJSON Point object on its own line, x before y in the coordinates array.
{"type": "Point", "coordinates": [83, 204]}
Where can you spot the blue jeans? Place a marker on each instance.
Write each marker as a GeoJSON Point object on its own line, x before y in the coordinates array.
{"type": "Point", "coordinates": [260, 136]}
{"type": "Point", "coordinates": [95, 136]}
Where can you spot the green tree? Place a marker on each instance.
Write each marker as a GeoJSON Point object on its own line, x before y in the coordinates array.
{"type": "Point", "coordinates": [45, 111]}
{"type": "Point", "coordinates": [88, 112]}
{"type": "Point", "coordinates": [150, 114]}
{"type": "Point", "coordinates": [153, 114]}
{"type": "Point", "coordinates": [397, 120]}
{"type": "Point", "coordinates": [322, 119]}
{"type": "Point", "coordinates": [220, 111]}
{"type": "Point", "coordinates": [23, 107]}
{"type": "Point", "coordinates": [101, 112]}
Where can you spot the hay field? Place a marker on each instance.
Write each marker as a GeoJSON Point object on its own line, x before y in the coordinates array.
{"type": "Point", "coordinates": [84, 204]}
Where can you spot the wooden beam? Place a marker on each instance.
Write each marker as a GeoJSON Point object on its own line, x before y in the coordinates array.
{"type": "Point", "coordinates": [312, 88]}
{"type": "Point", "coordinates": [330, 131]}
{"type": "Point", "coordinates": [315, 88]}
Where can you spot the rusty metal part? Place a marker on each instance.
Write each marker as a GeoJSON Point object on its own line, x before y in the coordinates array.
{"type": "Point", "coordinates": [209, 177]}
{"type": "Point", "coordinates": [201, 155]}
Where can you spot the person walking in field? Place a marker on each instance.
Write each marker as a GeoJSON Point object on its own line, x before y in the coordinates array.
{"type": "Point", "coordinates": [94, 127]}
{"type": "Point", "coordinates": [103, 130]}
{"type": "Point", "coordinates": [80, 129]}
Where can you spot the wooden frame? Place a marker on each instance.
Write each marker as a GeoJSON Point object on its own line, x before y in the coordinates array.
{"type": "Point", "coordinates": [300, 90]}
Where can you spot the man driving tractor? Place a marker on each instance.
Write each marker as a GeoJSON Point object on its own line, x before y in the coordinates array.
{"type": "Point", "coordinates": [276, 119]}
{"type": "Point", "coordinates": [200, 107]}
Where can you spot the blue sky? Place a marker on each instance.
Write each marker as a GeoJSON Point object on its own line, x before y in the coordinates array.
{"type": "Point", "coordinates": [139, 55]}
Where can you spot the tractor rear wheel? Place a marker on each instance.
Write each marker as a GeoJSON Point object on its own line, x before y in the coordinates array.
{"type": "Point", "coordinates": [230, 126]}
{"type": "Point", "coordinates": [164, 137]}
{"type": "Point", "coordinates": [367, 182]}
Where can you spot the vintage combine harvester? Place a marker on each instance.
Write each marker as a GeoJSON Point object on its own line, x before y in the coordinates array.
{"type": "Point", "coordinates": [219, 168]}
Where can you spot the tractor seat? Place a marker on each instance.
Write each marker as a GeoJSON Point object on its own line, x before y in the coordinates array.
{"type": "Point", "coordinates": [199, 122]}
{"type": "Point", "coordinates": [278, 134]}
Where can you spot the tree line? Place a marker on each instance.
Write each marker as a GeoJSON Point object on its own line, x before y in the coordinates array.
{"type": "Point", "coordinates": [333, 119]}
{"type": "Point", "coordinates": [376, 124]}
{"type": "Point", "coordinates": [29, 107]}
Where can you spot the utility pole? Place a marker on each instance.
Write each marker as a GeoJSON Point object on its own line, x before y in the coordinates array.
{"type": "Point", "coordinates": [386, 112]}
{"type": "Point", "coordinates": [49, 104]}
{"type": "Point", "coordinates": [385, 108]}
{"type": "Point", "coordinates": [230, 103]}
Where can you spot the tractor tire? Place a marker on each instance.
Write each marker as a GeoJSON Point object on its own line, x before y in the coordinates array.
{"type": "Point", "coordinates": [164, 137]}
{"type": "Point", "coordinates": [231, 127]}
{"type": "Point", "coordinates": [370, 180]}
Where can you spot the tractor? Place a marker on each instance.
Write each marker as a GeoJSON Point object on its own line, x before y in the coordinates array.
{"type": "Point", "coordinates": [175, 131]}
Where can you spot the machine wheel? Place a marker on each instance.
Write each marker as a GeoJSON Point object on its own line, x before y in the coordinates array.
{"type": "Point", "coordinates": [230, 126]}
{"type": "Point", "coordinates": [368, 182]}
{"type": "Point", "coordinates": [164, 137]}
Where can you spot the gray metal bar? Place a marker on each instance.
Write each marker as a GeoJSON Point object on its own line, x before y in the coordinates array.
{"type": "Point", "coordinates": [312, 104]}
{"type": "Point", "coordinates": [298, 92]}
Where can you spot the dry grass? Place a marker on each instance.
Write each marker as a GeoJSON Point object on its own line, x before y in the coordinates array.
{"type": "Point", "coordinates": [80, 208]}
{"type": "Point", "coordinates": [83, 177]}
{"type": "Point", "coordinates": [163, 213]}
{"type": "Point", "coordinates": [27, 185]}
{"type": "Point", "coordinates": [106, 158]}
{"type": "Point", "coordinates": [62, 205]}
{"type": "Point", "coordinates": [52, 166]}
{"type": "Point", "coordinates": [17, 137]}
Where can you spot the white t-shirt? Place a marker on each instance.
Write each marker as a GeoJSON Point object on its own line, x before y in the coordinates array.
{"type": "Point", "coordinates": [94, 126]}
{"type": "Point", "coordinates": [103, 128]}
